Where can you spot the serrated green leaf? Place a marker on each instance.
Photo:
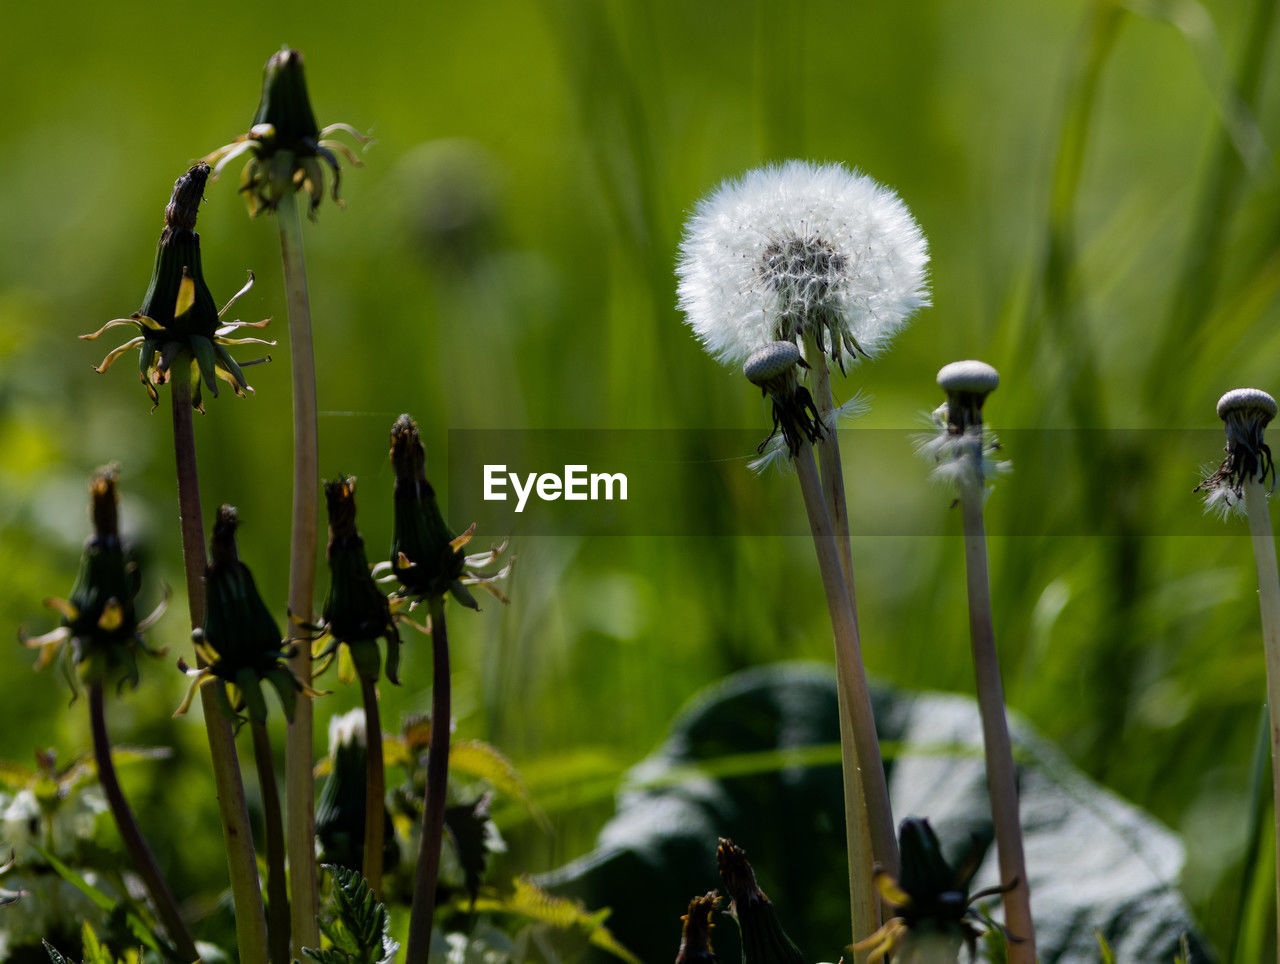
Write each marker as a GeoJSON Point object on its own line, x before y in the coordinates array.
{"type": "Point", "coordinates": [531, 901]}
{"type": "Point", "coordinates": [479, 759]}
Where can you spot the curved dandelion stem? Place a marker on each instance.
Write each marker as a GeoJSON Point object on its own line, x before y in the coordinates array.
{"type": "Point", "coordinates": [867, 810]}
{"type": "Point", "coordinates": [375, 788]}
{"type": "Point", "coordinates": [299, 781]}
{"type": "Point", "coordinates": [277, 890]}
{"type": "Point", "coordinates": [251, 924]}
{"type": "Point", "coordinates": [1002, 778]}
{"type": "Point", "coordinates": [424, 881]}
{"type": "Point", "coordinates": [1264, 555]}
{"type": "Point", "coordinates": [135, 844]}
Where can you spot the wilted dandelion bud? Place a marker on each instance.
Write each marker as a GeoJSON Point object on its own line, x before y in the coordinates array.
{"type": "Point", "coordinates": [240, 642]}
{"type": "Point", "coordinates": [179, 322]}
{"type": "Point", "coordinates": [341, 809]}
{"type": "Point", "coordinates": [801, 250]}
{"type": "Point", "coordinates": [763, 939]}
{"type": "Point", "coordinates": [99, 620]}
{"type": "Point", "coordinates": [284, 143]}
{"type": "Point", "coordinates": [935, 908]}
{"type": "Point", "coordinates": [1245, 412]}
{"type": "Point", "coordinates": [426, 556]}
{"type": "Point", "coordinates": [774, 367]}
{"type": "Point", "coordinates": [356, 612]}
{"type": "Point", "coordinates": [695, 937]}
{"type": "Point", "coordinates": [963, 451]}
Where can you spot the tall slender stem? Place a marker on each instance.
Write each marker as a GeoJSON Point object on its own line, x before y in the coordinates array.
{"type": "Point", "coordinates": [864, 904]}
{"type": "Point", "coordinates": [1002, 778]}
{"type": "Point", "coordinates": [299, 781]}
{"type": "Point", "coordinates": [375, 816]}
{"type": "Point", "coordinates": [849, 670]}
{"type": "Point", "coordinates": [277, 890]}
{"type": "Point", "coordinates": [424, 881]}
{"type": "Point", "coordinates": [1264, 555]}
{"type": "Point", "coordinates": [251, 923]}
{"type": "Point", "coordinates": [136, 845]}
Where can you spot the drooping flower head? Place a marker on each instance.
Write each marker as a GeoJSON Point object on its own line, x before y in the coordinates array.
{"type": "Point", "coordinates": [426, 557]}
{"type": "Point", "coordinates": [99, 621]}
{"type": "Point", "coordinates": [963, 451]}
{"type": "Point", "coordinates": [356, 613]}
{"type": "Point", "coordinates": [240, 642]}
{"type": "Point", "coordinates": [801, 249]}
{"type": "Point", "coordinates": [284, 143]}
{"type": "Point", "coordinates": [1245, 412]}
{"type": "Point", "coordinates": [179, 321]}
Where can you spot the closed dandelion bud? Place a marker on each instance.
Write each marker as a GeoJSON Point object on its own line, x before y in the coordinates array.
{"type": "Point", "coordinates": [695, 937]}
{"type": "Point", "coordinates": [285, 146]}
{"type": "Point", "coordinates": [356, 612]}
{"type": "Point", "coordinates": [99, 619]}
{"type": "Point", "coordinates": [426, 557]}
{"type": "Point", "coordinates": [763, 939]}
{"type": "Point", "coordinates": [179, 321]}
{"type": "Point", "coordinates": [340, 812]}
{"type": "Point", "coordinates": [240, 641]}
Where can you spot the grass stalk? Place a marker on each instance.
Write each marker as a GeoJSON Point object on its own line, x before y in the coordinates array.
{"type": "Point", "coordinates": [864, 761]}
{"type": "Point", "coordinates": [299, 751]}
{"type": "Point", "coordinates": [864, 904]}
{"type": "Point", "coordinates": [277, 889]}
{"type": "Point", "coordinates": [135, 844]}
{"type": "Point", "coordinates": [428, 868]}
{"type": "Point", "coordinates": [375, 788]}
{"type": "Point", "coordinates": [251, 924]}
{"type": "Point", "coordinates": [1264, 556]}
{"type": "Point", "coordinates": [1002, 777]}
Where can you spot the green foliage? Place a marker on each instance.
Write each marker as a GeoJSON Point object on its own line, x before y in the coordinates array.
{"type": "Point", "coordinates": [356, 925]}
{"type": "Point", "coordinates": [94, 951]}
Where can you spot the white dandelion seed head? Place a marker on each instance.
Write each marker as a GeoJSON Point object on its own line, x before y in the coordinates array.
{"type": "Point", "coordinates": [801, 244]}
{"type": "Point", "coordinates": [346, 729]}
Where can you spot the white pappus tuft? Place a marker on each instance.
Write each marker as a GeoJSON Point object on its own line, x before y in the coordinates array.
{"type": "Point", "coordinates": [949, 454]}
{"type": "Point", "coordinates": [801, 246]}
{"type": "Point", "coordinates": [776, 455]}
{"type": "Point", "coordinates": [346, 729]}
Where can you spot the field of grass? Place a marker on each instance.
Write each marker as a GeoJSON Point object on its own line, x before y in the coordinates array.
{"type": "Point", "coordinates": [1098, 183]}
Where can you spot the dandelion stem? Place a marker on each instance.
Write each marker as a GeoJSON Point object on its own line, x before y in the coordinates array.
{"type": "Point", "coordinates": [277, 890]}
{"type": "Point", "coordinates": [135, 844]}
{"type": "Point", "coordinates": [1002, 778]}
{"type": "Point", "coordinates": [1264, 555]}
{"type": "Point", "coordinates": [375, 788]}
{"type": "Point", "coordinates": [251, 924]}
{"type": "Point", "coordinates": [865, 762]}
{"type": "Point", "coordinates": [864, 905]}
{"type": "Point", "coordinates": [299, 781]}
{"type": "Point", "coordinates": [424, 882]}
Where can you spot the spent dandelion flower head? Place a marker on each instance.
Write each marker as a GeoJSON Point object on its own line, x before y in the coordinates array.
{"type": "Point", "coordinates": [775, 368]}
{"type": "Point", "coordinates": [426, 556]}
{"type": "Point", "coordinates": [340, 809]}
{"type": "Point", "coordinates": [179, 321]}
{"type": "Point", "coordinates": [286, 149]}
{"type": "Point", "coordinates": [240, 642]}
{"type": "Point", "coordinates": [962, 449]}
{"type": "Point", "coordinates": [1245, 413]}
{"type": "Point", "coordinates": [100, 632]}
{"type": "Point", "coordinates": [695, 935]}
{"type": "Point", "coordinates": [800, 249]}
{"type": "Point", "coordinates": [356, 613]}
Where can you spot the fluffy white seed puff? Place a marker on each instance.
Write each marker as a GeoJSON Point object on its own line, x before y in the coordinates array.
{"type": "Point", "coordinates": [801, 244]}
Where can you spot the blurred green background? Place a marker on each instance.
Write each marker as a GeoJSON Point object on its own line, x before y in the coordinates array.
{"type": "Point", "coordinates": [1099, 189]}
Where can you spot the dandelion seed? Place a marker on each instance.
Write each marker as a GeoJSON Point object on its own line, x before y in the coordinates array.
{"type": "Point", "coordinates": [801, 248]}
{"type": "Point", "coordinates": [1245, 412]}
{"type": "Point", "coordinates": [963, 450]}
